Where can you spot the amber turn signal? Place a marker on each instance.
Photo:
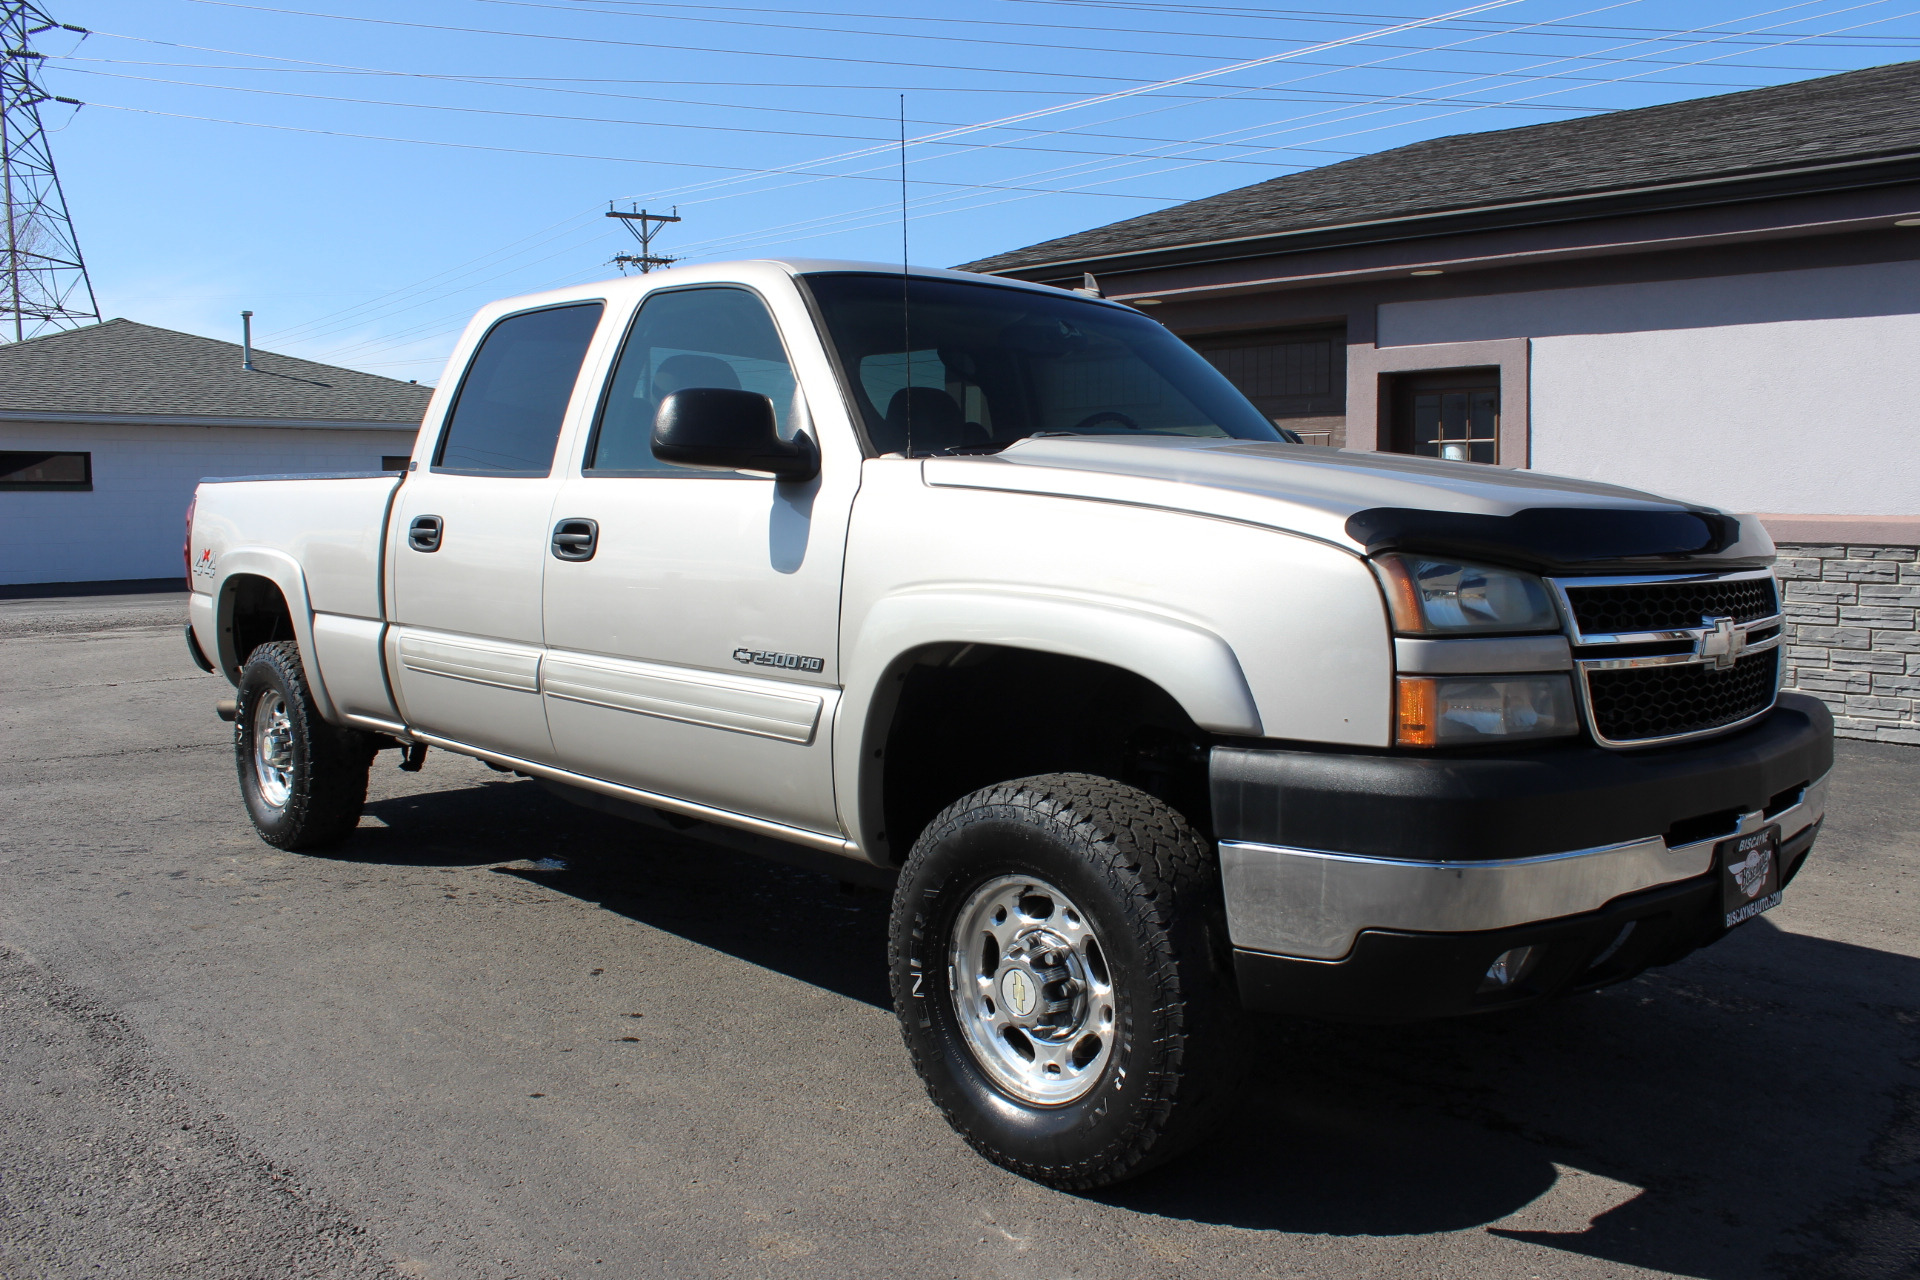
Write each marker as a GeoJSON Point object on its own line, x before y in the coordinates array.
{"type": "Point", "coordinates": [1416, 712]}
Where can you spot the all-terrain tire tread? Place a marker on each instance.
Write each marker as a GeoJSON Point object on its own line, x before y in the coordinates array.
{"type": "Point", "coordinates": [1174, 891]}
{"type": "Point", "coordinates": [328, 795]}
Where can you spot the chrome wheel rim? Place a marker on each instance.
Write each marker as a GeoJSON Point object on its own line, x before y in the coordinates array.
{"type": "Point", "coordinates": [273, 749]}
{"type": "Point", "coordinates": [1031, 990]}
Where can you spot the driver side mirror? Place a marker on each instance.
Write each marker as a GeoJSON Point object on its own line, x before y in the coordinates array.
{"type": "Point", "coordinates": [723, 429]}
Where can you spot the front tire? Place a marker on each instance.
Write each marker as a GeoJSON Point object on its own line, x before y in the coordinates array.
{"type": "Point", "coordinates": [304, 780]}
{"type": "Point", "coordinates": [1058, 967]}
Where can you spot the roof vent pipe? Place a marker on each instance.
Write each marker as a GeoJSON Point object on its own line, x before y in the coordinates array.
{"type": "Point", "coordinates": [246, 341]}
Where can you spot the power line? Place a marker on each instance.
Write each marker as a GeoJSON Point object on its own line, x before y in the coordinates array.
{"type": "Point", "coordinates": [571, 155]}
{"type": "Point", "coordinates": [540, 115]}
{"type": "Point", "coordinates": [1057, 173]}
{"type": "Point", "coordinates": [1320, 95]}
{"type": "Point", "coordinates": [1289, 57]}
{"type": "Point", "coordinates": [1407, 24]}
{"type": "Point", "coordinates": [1161, 172]}
{"type": "Point", "coordinates": [1241, 13]}
{"type": "Point", "coordinates": [1236, 90]}
{"type": "Point", "coordinates": [968, 193]}
{"type": "Point", "coordinates": [828, 221]}
{"type": "Point", "coordinates": [1546, 29]}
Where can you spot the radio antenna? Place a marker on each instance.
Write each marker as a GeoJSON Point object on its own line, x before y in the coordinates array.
{"type": "Point", "coordinates": [906, 318]}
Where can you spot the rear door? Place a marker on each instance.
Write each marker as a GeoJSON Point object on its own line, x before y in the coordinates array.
{"type": "Point", "coordinates": [472, 539]}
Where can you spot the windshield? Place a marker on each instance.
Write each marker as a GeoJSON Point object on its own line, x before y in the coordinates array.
{"type": "Point", "coordinates": [942, 366]}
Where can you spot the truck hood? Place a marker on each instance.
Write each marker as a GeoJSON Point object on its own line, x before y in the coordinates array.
{"type": "Point", "coordinates": [1372, 502]}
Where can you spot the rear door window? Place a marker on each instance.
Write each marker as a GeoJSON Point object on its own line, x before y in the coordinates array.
{"type": "Point", "coordinates": [506, 417]}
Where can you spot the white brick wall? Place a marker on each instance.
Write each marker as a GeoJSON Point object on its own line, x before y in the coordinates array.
{"type": "Point", "coordinates": [1853, 635]}
{"type": "Point", "coordinates": [131, 525]}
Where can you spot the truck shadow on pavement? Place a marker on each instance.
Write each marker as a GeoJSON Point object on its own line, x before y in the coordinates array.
{"type": "Point", "coordinates": [796, 922]}
{"type": "Point", "coordinates": [1753, 1110]}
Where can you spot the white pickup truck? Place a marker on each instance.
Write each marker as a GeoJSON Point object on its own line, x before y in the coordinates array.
{"type": "Point", "coordinates": [1004, 596]}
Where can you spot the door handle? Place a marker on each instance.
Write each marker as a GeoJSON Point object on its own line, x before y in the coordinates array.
{"type": "Point", "coordinates": [575, 539]}
{"type": "Point", "coordinates": [424, 533]}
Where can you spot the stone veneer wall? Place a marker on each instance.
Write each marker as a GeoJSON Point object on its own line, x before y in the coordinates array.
{"type": "Point", "coordinates": [1853, 635]}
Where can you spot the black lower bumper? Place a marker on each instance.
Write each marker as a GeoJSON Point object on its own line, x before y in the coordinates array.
{"type": "Point", "coordinates": [1515, 803]}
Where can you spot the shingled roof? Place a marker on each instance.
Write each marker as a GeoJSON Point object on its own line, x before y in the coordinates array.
{"type": "Point", "coordinates": [1854, 116]}
{"type": "Point", "coordinates": [121, 367]}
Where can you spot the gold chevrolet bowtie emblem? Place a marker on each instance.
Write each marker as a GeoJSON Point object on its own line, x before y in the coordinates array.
{"type": "Point", "coordinates": [1722, 644]}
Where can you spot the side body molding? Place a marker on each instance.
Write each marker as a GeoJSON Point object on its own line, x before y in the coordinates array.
{"type": "Point", "coordinates": [284, 572]}
{"type": "Point", "coordinates": [1195, 666]}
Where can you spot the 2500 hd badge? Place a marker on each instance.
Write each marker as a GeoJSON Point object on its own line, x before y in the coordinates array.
{"type": "Point", "coordinates": [786, 661]}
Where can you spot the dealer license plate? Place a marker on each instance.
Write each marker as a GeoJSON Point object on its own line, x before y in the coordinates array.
{"type": "Point", "coordinates": [1750, 874]}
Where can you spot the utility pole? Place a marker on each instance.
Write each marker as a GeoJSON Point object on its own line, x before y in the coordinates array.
{"type": "Point", "coordinates": [641, 223]}
{"type": "Point", "coordinates": [45, 284]}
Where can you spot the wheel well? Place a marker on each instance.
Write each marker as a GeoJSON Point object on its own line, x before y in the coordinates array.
{"type": "Point", "coordinates": [256, 614]}
{"type": "Point", "coordinates": [967, 716]}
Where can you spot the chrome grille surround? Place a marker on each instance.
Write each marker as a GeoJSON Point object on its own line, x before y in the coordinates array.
{"type": "Point", "coordinates": [1717, 643]}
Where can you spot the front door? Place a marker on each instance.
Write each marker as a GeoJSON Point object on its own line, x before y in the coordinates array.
{"type": "Point", "coordinates": [473, 539]}
{"type": "Point", "coordinates": [694, 654]}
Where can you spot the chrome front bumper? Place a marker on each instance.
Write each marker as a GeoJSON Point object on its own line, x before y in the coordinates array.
{"type": "Point", "coordinates": [1313, 903]}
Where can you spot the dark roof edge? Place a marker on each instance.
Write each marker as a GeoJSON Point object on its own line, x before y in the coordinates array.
{"type": "Point", "coordinates": [1879, 169]}
{"type": "Point", "coordinates": [200, 420]}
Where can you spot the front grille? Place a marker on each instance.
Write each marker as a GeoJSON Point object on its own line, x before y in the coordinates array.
{"type": "Point", "coordinates": [1639, 703]}
{"type": "Point", "coordinates": [1669, 606]}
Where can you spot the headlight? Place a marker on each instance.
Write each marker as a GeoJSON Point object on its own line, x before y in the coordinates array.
{"type": "Point", "coordinates": [1429, 595]}
{"type": "Point", "coordinates": [1460, 711]}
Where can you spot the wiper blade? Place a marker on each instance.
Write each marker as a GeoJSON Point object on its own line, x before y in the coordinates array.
{"type": "Point", "coordinates": [956, 450]}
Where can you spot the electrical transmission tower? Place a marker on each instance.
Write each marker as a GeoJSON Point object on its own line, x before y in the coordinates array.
{"type": "Point", "coordinates": [641, 223]}
{"type": "Point", "coordinates": [44, 285]}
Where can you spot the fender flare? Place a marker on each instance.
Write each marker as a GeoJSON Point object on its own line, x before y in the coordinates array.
{"type": "Point", "coordinates": [284, 572]}
{"type": "Point", "coordinates": [1195, 666]}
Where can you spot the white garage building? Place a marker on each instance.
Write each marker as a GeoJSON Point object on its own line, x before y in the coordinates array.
{"type": "Point", "coordinates": [104, 431]}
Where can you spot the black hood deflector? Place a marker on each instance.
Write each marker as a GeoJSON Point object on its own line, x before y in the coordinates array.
{"type": "Point", "coordinates": [1560, 539]}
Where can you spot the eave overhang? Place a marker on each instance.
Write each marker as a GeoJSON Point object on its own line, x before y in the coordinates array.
{"type": "Point", "coordinates": [1854, 174]}
{"type": "Point", "coordinates": [198, 420]}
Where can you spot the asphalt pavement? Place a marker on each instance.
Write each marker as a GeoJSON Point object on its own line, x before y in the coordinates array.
{"type": "Point", "coordinates": [496, 1035]}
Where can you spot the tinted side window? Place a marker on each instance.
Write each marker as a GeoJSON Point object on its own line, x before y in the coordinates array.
{"type": "Point", "coordinates": [507, 414]}
{"type": "Point", "coordinates": [687, 338]}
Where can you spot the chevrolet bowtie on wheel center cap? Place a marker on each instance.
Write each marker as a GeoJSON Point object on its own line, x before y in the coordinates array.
{"type": "Point", "coordinates": [1032, 990]}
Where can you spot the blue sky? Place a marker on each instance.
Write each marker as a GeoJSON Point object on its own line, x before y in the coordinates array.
{"type": "Point", "coordinates": [216, 165]}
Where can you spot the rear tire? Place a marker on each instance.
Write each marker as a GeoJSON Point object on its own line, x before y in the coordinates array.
{"type": "Point", "coordinates": [1060, 970]}
{"type": "Point", "coordinates": [304, 780]}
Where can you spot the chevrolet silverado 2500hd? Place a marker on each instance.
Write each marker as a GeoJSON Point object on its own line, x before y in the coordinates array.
{"type": "Point", "coordinates": [1004, 596]}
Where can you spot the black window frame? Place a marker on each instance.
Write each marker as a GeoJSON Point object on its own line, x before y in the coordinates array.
{"type": "Point", "coordinates": [453, 406]}
{"type": "Point", "coordinates": [48, 486]}
{"type": "Point", "coordinates": [613, 367]}
{"type": "Point", "coordinates": [1407, 384]}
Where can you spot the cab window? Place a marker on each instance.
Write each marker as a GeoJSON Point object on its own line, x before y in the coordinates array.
{"type": "Point", "coordinates": [713, 337]}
